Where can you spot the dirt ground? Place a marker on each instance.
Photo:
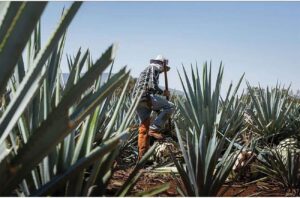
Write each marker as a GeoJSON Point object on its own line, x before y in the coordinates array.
{"type": "Point", "coordinates": [150, 179]}
{"type": "Point", "coordinates": [255, 189]}
{"type": "Point", "coordinates": [147, 181]}
{"type": "Point", "coordinates": [247, 185]}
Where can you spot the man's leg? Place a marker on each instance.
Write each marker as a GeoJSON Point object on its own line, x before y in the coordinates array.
{"type": "Point", "coordinates": [143, 138]}
{"type": "Point", "coordinates": [166, 109]}
{"type": "Point", "coordinates": [144, 112]}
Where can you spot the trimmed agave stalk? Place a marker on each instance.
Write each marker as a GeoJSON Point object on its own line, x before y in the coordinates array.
{"type": "Point", "coordinates": [205, 168]}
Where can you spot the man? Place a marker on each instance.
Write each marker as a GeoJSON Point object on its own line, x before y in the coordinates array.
{"type": "Point", "coordinates": [151, 99]}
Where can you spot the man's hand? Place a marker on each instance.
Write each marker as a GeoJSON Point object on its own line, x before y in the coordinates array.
{"type": "Point", "coordinates": [166, 93]}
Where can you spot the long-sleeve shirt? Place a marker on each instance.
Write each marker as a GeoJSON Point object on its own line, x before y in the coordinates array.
{"type": "Point", "coordinates": [148, 81]}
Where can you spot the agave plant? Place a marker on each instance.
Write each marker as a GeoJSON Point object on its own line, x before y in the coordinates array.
{"type": "Point", "coordinates": [271, 109]}
{"type": "Point", "coordinates": [286, 172]}
{"type": "Point", "coordinates": [203, 106]}
{"type": "Point", "coordinates": [56, 138]}
{"type": "Point", "coordinates": [233, 109]}
{"type": "Point", "coordinates": [294, 118]}
{"type": "Point", "coordinates": [206, 164]}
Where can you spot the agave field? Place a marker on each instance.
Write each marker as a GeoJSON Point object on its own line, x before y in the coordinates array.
{"type": "Point", "coordinates": [79, 137]}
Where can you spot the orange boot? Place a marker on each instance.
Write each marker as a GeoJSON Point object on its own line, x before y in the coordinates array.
{"type": "Point", "coordinates": [143, 138]}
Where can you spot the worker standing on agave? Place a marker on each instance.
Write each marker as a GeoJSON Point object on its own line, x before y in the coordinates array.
{"type": "Point", "coordinates": [151, 100]}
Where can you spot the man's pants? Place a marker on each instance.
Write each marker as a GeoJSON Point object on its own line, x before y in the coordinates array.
{"type": "Point", "coordinates": [144, 109]}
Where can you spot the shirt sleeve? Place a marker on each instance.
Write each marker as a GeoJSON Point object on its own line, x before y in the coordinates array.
{"type": "Point", "coordinates": [157, 90]}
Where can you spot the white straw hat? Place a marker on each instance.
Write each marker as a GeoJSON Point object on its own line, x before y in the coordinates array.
{"type": "Point", "coordinates": [160, 58]}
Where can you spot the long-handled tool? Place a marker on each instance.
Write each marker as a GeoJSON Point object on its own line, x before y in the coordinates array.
{"type": "Point", "coordinates": [167, 88]}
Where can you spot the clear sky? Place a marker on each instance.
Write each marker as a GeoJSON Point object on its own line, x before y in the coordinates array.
{"type": "Point", "coordinates": [261, 39]}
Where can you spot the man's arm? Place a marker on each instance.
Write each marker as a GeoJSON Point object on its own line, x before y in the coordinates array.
{"type": "Point", "coordinates": [157, 90]}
